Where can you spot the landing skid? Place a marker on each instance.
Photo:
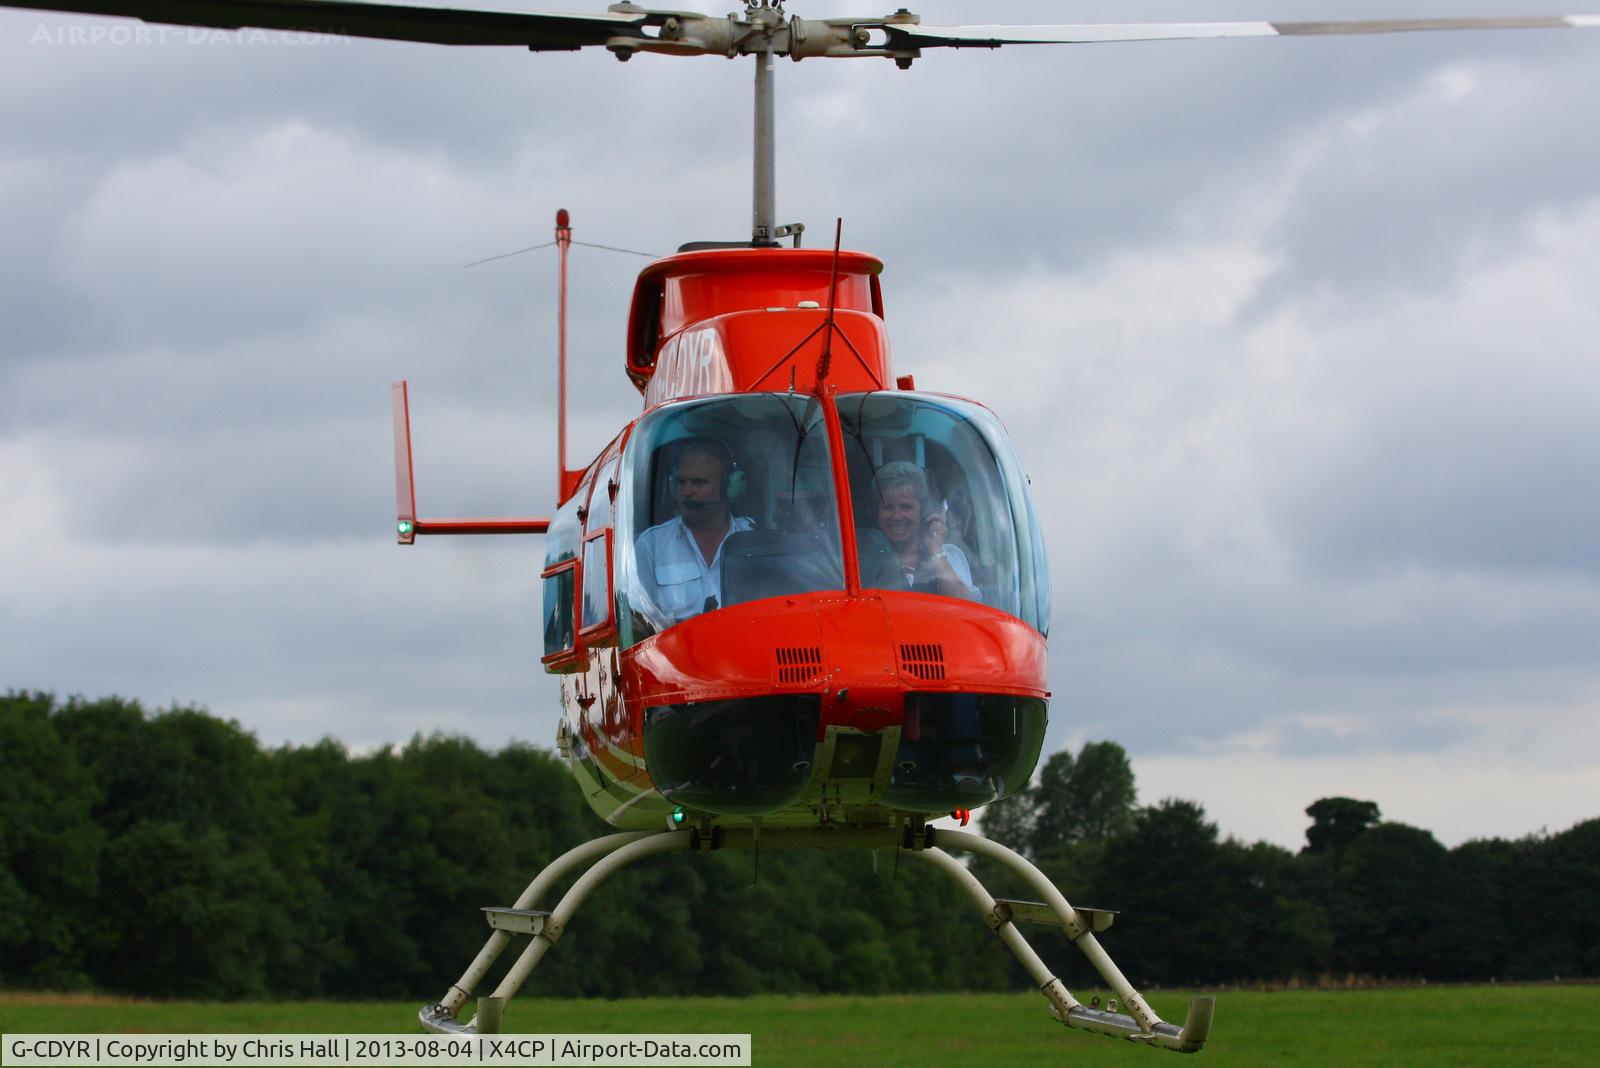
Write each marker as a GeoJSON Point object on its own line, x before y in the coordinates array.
{"type": "Point", "coordinates": [605, 856]}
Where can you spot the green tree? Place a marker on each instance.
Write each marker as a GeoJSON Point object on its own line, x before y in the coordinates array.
{"type": "Point", "coordinates": [1576, 860]}
{"type": "Point", "coordinates": [1169, 882]}
{"type": "Point", "coordinates": [49, 848]}
{"type": "Point", "coordinates": [1010, 821]}
{"type": "Point", "coordinates": [191, 917]}
{"type": "Point", "coordinates": [1088, 797]}
{"type": "Point", "coordinates": [198, 881]}
{"type": "Point", "coordinates": [1338, 821]}
{"type": "Point", "coordinates": [1553, 905]}
{"type": "Point", "coordinates": [214, 867]}
{"type": "Point", "coordinates": [1273, 930]}
{"type": "Point", "coordinates": [1406, 913]}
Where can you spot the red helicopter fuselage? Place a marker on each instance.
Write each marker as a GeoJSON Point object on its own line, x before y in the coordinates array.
{"type": "Point", "coordinates": [799, 672]}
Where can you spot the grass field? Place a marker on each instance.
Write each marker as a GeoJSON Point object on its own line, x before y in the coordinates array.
{"type": "Point", "coordinates": [1525, 1026]}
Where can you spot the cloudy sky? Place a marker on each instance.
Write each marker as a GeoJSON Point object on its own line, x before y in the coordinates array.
{"type": "Point", "coordinates": [1298, 339]}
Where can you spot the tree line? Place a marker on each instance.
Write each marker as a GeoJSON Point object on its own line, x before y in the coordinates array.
{"type": "Point", "coordinates": [1363, 898]}
{"type": "Point", "coordinates": [171, 854]}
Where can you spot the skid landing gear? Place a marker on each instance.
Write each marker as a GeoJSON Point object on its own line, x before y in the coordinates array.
{"type": "Point", "coordinates": [604, 856]}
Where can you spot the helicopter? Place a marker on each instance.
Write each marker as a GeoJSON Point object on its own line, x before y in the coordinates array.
{"type": "Point", "coordinates": [867, 704]}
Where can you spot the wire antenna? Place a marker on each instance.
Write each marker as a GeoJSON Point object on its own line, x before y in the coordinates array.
{"type": "Point", "coordinates": [583, 244]}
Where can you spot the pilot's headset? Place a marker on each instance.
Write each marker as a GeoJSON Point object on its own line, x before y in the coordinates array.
{"type": "Point", "coordinates": [733, 478]}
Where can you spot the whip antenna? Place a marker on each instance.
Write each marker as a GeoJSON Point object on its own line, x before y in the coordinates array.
{"type": "Point", "coordinates": [833, 299]}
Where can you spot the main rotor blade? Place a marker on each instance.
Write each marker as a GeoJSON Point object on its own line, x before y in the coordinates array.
{"type": "Point", "coordinates": [391, 22]}
{"type": "Point", "coordinates": [911, 36]}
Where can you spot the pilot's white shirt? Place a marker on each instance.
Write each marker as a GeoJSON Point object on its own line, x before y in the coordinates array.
{"type": "Point", "coordinates": [673, 571]}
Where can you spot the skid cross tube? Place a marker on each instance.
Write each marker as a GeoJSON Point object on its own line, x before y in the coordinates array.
{"type": "Point", "coordinates": [606, 856]}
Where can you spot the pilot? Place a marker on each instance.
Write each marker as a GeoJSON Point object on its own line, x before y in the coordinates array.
{"type": "Point", "coordinates": [916, 529]}
{"type": "Point", "coordinates": [680, 560]}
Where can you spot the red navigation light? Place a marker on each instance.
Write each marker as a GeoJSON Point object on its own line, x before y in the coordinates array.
{"type": "Point", "coordinates": [962, 814]}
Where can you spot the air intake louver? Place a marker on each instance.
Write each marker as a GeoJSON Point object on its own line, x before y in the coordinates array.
{"type": "Point", "coordinates": [798, 664]}
{"type": "Point", "coordinates": [924, 660]}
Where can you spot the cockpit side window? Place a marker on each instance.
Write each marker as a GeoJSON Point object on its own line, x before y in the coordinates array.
{"type": "Point", "coordinates": [599, 512]}
{"type": "Point", "coordinates": [723, 501]}
{"type": "Point", "coordinates": [941, 504]}
{"type": "Point", "coordinates": [559, 582]}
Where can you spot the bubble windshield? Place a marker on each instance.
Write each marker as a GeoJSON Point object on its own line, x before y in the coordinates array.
{"type": "Point", "coordinates": [941, 503]}
{"type": "Point", "coordinates": [722, 501]}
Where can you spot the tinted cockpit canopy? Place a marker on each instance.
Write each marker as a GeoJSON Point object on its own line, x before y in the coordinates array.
{"type": "Point", "coordinates": [952, 460]}
{"type": "Point", "coordinates": [730, 499]}
{"type": "Point", "coordinates": [773, 495]}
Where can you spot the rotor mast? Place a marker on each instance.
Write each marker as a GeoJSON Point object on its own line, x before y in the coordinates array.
{"type": "Point", "coordinates": [766, 21]}
{"type": "Point", "coordinates": [765, 209]}
{"type": "Point", "coordinates": [764, 32]}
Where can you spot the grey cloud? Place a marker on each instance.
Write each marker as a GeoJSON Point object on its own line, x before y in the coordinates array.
{"type": "Point", "coordinates": [1486, 489]}
{"type": "Point", "coordinates": [1468, 175]}
{"type": "Point", "coordinates": [201, 324]}
{"type": "Point", "coordinates": [1403, 733]}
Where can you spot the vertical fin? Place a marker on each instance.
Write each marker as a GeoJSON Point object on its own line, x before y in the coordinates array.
{"type": "Point", "coordinates": [563, 243]}
{"type": "Point", "coordinates": [405, 490]}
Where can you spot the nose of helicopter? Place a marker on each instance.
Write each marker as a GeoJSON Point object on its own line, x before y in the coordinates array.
{"type": "Point", "coordinates": [831, 703]}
